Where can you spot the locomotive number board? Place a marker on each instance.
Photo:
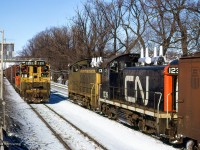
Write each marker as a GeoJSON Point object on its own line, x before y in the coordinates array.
{"type": "Point", "coordinates": [173, 70]}
{"type": "Point", "coordinates": [32, 63]}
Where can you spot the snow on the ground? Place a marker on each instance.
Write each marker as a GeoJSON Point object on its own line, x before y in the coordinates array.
{"type": "Point", "coordinates": [113, 135]}
{"type": "Point", "coordinates": [30, 128]}
{"type": "Point", "coordinates": [66, 131]}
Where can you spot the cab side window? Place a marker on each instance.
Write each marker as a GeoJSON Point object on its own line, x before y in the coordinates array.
{"type": "Point", "coordinates": [75, 68]}
{"type": "Point", "coordinates": [114, 66]}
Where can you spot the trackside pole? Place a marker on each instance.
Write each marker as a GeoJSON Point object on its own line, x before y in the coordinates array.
{"type": "Point", "coordinates": [1, 94]}
{"type": "Point", "coordinates": [2, 125]}
{"type": "Point", "coordinates": [2, 144]}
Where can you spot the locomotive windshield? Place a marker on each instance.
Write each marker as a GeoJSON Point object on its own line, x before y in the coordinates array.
{"type": "Point", "coordinates": [123, 65]}
{"type": "Point", "coordinates": [114, 66]}
{"type": "Point", "coordinates": [24, 69]}
{"type": "Point", "coordinates": [119, 66]}
{"type": "Point", "coordinates": [45, 71]}
{"type": "Point", "coordinates": [35, 69]}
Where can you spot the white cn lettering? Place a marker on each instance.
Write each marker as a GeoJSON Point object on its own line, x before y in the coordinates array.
{"type": "Point", "coordinates": [129, 98]}
{"type": "Point", "coordinates": [138, 86]}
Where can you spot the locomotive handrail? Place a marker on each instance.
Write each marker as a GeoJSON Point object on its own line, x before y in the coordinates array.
{"type": "Point", "coordinates": [99, 93]}
{"type": "Point", "coordinates": [167, 122]}
{"type": "Point", "coordinates": [93, 84]}
{"type": "Point", "coordinates": [158, 111]}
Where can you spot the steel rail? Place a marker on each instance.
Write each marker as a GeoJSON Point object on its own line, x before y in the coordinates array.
{"type": "Point", "coordinates": [59, 85]}
{"type": "Point", "coordinates": [52, 130]}
{"type": "Point", "coordinates": [81, 131]}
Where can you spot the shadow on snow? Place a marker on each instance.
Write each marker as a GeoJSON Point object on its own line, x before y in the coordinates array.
{"type": "Point", "coordinates": [55, 97]}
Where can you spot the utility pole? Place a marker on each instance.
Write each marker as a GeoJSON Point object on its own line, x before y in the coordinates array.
{"type": "Point", "coordinates": [1, 92]}
{"type": "Point", "coordinates": [2, 43]}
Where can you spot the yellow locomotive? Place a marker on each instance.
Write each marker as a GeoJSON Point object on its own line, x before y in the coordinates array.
{"type": "Point", "coordinates": [31, 80]}
{"type": "Point", "coordinates": [83, 85]}
{"type": "Point", "coordinates": [35, 81]}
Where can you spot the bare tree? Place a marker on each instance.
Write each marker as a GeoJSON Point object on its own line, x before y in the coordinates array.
{"type": "Point", "coordinates": [100, 26]}
{"type": "Point", "coordinates": [114, 13]}
{"type": "Point", "coordinates": [84, 32]}
{"type": "Point", "coordinates": [161, 21]}
{"type": "Point", "coordinates": [119, 26]}
{"type": "Point", "coordinates": [187, 15]}
{"type": "Point", "coordinates": [135, 24]}
{"type": "Point", "coordinates": [175, 23]}
{"type": "Point", "coordinates": [51, 44]}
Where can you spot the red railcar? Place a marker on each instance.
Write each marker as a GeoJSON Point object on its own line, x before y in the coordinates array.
{"type": "Point", "coordinates": [13, 75]}
{"type": "Point", "coordinates": [189, 99]}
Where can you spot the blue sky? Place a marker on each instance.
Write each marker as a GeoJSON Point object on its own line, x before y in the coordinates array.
{"type": "Point", "coordinates": [21, 20]}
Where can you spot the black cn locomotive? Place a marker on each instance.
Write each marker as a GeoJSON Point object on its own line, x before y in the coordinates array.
{"type": "Point", "coordinates": [143, 92]}
{"type": "Point", "coordinates": [143, 96]}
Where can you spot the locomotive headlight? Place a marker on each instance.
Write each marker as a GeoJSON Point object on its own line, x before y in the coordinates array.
{"type": "Point", "coordinates": [24, 75]}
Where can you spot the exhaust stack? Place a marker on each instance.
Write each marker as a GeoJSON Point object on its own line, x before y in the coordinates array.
{"type": "Point", "coordinates": [161, 51]}
{"type": "Point", "coordinates": [144, 60]}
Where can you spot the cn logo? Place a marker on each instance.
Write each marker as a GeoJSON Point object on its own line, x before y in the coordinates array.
{"type": "Point", "coordinates": [137, 88]}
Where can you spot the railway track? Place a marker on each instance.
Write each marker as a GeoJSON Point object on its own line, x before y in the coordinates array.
{"type": "Point", "coordinates": [60, 87]}
{"type": "Point", "coordinates": [81, 131]}
{"type": "Point", "coordinates": [58, 136]}
{"type": "Point", "coordinates": [52, 130]}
